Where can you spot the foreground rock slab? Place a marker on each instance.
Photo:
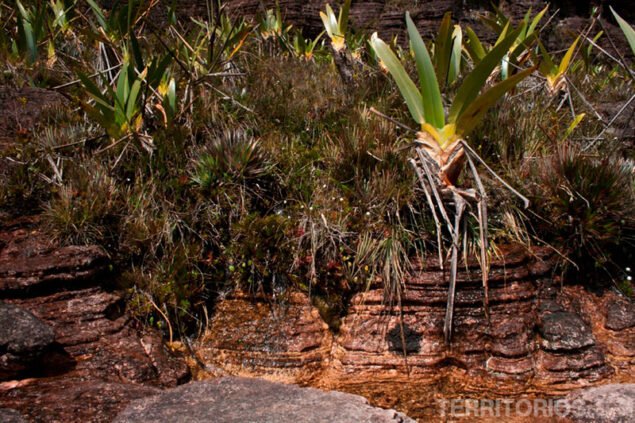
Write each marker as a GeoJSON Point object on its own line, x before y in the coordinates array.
{"type": "Point", "coordinates": [233, 399]}
{"type": "Point", "coordinates": [614, 403]}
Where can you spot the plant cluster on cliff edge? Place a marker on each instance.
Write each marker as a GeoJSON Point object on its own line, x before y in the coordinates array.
{"type": "Point", "coordinates": [212, 153]}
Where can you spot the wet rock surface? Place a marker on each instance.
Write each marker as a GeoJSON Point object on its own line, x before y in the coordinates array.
{"type": "Point", "coordinates": [564, 331]}
{"type": "Point", "coordinates": [87, 357]}
{"type": "Point", "coordinates": [620, 315]}
{"type": "Point", "coordinates": [254, 400]}
{"type": "Point", "coordinates": [614, 403]}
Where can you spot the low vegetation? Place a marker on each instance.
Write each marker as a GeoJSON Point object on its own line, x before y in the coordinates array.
{"type": "Point", "coordinates": [211, 153]}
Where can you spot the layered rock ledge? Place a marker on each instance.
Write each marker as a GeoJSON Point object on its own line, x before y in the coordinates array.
{"type": "Point", "coordinates": [70, 352]}
{"type": "Point", "coordinates": [541, 339]}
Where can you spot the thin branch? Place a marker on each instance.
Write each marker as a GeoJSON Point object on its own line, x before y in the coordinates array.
{"type": "Point", "coordinates": [498, 178]}
{"type": "Point", "coordinates": [396, 122]}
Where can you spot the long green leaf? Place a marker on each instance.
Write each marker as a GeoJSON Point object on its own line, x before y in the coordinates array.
{"type": "Point", "coordinates": [131, 106]}
{"type": "Point", "coordinates": [628, 30]}
{"type": "Point", "coordinates": [566, 60]}
{"type": "Point", "coordinates": [536, 20]}
{"type": "Point", "coordinates": [408, 89]}
{"type": "Point", "coordinates": [474, 46]}
{"type": "Point", "coordinates": [455, 59]}
{"type": "Point", "coordinates": [95, 92]}
{"type": "Point", "coordinates": [442, 49]}
{"type": "Point", "coordinates": [123, 87]}
{"type": "Point", "coordinates": [475, 81]}
{"type": "Point", "coordinates": [430, 93]}
{"type": "Point", "coordinates": [99, 14]}
{"type": "Point", "coordinates": [343, 20]}
{"type": "Point", "coordinates": [29, 36]}
{"type": "Point", "coordinates": [473, 114]}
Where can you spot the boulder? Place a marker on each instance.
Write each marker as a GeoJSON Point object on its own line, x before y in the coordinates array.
{"type": "Point", "coordinates": [564, 331]}
{"type": "Point", "coordinates": [24, 339]}
{"type": "Point", "coordinates": [613, 403]}
{"type": "Point", "coordinates": [233, 399]}
{"type": "Point", "coordinates": [8, 415]}
{"type": "Point", "coordinates": [620, 315]}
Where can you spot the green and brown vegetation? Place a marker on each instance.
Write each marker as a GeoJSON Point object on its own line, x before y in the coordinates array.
{"type": "Point", "coordinates": [214, 153]}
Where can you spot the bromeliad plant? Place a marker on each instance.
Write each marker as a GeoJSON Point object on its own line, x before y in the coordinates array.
{"type": "Point", "coordinates": [518, 52]}
{"type": "Point", "coordinates": [336, 26]}
{"type": "Point", "coordinates": [441, 149]}
{"type": "Point", "coordinates": [555, 73]}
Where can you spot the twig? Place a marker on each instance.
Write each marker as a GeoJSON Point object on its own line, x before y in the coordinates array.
{"type": "Point", "coordinates": [76, 81]}
{"type": "Point", "coordinates": [608, 125]}
{"type": "Point", "coordinates": [498, 178]}
{"type": "Point", "coordinates": [396, 122]}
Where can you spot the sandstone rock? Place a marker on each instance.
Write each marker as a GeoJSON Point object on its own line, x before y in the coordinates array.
{"type": "Point", "coordinates": [564, 331]}
{"type": "Point", "coordinates": [29, 262]}
{"type": "Point", "coordinates": [267, 336]}
{"type": "Point", "coordinates": [11, 416]}
{"type": "Point", "coordinates": [101, 359]}
{"type": "Point", "coordinates": [614, 403]}
{"type": "Point", "coordinates": [254, 400]}
{"type": "Point", "coordinates": [620, 315]}
{"type": "Point", "coordinates": [93, 329]}
{"type": "Point", "coordinates": [69, 399]}
{"type": "Point", "coordinates": [23, 340]}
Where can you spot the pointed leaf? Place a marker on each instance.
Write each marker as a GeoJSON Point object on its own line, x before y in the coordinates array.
{"type": "Point", "coordinates": [475, 81]}
{"type": "Point", "coordinates": [431, 94]}
{"type": "Point", "coordinates": [455, 58]}
{"type": "Point", "coordinates": [343, 21]}
{"type": "Point", "coordinates": [99, 14]}
{"type": "Point", "coordinates": [536, 20]}
{"type": "Point", "coordinates": [474, 113]}
{"type": "Point", "coordinates": [474, 46]}
{"type": "Point", "coordinates": [408, 89]}
{"type": "Point", "coordinates": [131, 106]}
{"type": "Point", "coordinates": [566, 60]}
{"type": "Point", "coordinates": [442, 49]}
{"type": "Point", "coordinates": [29, 36]}
{"type": "Point", "coordinates": [628, 30]}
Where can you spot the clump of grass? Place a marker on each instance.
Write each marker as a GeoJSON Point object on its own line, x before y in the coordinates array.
{"type": "Point", "coordinates": [588, 201]}
{"type": "Point", "coordinates": [84, 209]}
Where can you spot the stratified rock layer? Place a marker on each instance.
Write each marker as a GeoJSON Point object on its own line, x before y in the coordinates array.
{"type": "Point", "coordinates": [540, 339]}
{"type": "Point", "coordinates": [285, 337]}
{"type": "Point", "coordinates": [73, 353]}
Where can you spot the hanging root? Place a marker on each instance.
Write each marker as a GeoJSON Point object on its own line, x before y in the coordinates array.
{"type": "Point", "coordinates": [483, 235]}
{"type": "Point", "coordinates": [437, 189]}
{"type": "Point", "coordinates": [459, 209]}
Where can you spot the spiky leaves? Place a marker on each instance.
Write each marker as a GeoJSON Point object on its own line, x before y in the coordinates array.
{"type": "Point", "coordinates": [425, 104]}
{"type": "Point", "coordinates": [628, 30]}
{"type": "Point", "coordinates": [336, 26]}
